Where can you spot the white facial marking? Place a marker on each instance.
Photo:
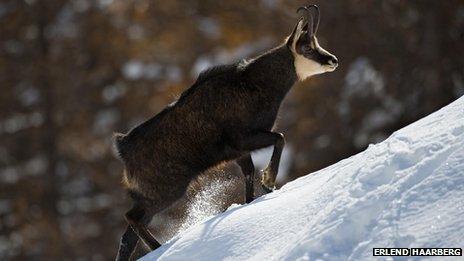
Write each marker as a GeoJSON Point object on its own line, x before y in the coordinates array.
{"type": "Point", "coordinates": [305, 67]}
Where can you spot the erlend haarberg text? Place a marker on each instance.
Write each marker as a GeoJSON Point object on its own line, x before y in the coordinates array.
{"type": "Point", "coordinates": [417, 251]}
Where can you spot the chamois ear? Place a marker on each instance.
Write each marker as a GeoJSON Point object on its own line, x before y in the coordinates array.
{"type": "Point", "coordinates": [296, 33]}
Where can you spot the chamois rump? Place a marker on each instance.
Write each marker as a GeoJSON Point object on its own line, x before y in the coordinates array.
{"type": "Point", "coordinates": [225, 115]}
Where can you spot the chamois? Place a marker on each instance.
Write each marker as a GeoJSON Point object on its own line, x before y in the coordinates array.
{"type": "Point", "coordinates": [226, 114]}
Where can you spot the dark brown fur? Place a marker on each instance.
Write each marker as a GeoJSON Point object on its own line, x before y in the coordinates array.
{"type": "Point", "coordinates": [204, 127]}
{"type": "Point", "coordinates": [228, 113]}
{"type": "Point", "coordinates": [215, 120]}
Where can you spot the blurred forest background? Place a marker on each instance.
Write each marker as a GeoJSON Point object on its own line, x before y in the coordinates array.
{"type": "Point", "coordinates": [74, 72]}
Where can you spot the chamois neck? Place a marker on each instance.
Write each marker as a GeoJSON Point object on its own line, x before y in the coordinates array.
{"type": "Point", "coordinates": [273, 71]}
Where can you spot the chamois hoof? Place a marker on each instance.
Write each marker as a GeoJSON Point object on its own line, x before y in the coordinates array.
{"type": "Point", "coordinates": [268, 180]}
{"type": "Point", "coordinates": [249, 200]}
{"type": "Point", "coordinates": [266, 189]}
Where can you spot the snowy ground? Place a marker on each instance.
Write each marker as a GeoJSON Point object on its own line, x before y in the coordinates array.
{"type": "Point", "coordinates": [407, 191]}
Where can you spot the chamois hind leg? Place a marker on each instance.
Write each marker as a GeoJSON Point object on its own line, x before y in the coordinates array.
{"type": "Point", "coordinates": [248, 170]}
{"type": "Point", "coordinates": [138, 218]}
{"type": "Point", "coordinates": [127, 244]}
{"type": "Point", "coordinates": [160, 196]}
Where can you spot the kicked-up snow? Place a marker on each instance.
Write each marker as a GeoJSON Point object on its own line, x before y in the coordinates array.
{"type": "Point", "coordinates": [407, 191]}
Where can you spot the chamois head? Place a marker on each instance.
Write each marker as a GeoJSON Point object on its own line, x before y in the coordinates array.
{"type": "Point", "coordinates": [310, 57]}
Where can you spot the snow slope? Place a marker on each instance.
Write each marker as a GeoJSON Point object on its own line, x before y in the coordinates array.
{"type": "Point", "coordinates": [407, 191]}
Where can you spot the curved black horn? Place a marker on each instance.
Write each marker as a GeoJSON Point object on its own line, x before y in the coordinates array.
{"type": "Point", "coordinates": [309, 19]}
{"type": "Point", "coordinates": [316, 18]}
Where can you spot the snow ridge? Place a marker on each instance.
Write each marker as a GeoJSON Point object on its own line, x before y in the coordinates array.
{"type": "Point", "coordinates": [407, 191]}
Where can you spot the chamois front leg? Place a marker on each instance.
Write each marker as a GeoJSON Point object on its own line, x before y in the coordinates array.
{"type": "Point", "coordinates": [248, 170]}
{"type": "Point", "coordinates": [261, 140]}
{"type": "Point", "coordinates": [268, 179]}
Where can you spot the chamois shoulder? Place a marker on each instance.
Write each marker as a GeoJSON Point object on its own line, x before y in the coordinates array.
{"type": "Point", "coordinates": [215, 71]}
{"type": "Point", "coordinates": [205, 76]}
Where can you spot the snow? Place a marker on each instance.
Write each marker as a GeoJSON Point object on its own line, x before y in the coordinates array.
{"type": "Point", "coordinates": [105, 120]}
{"type": "Point", "coordinates": [28, 96]}
{"type": "Point", "coordinates": [136, 69]}
{"type": "Point", "coordinates": [113, 92]}
{"type": "Point", "coordinates": [21, 121]}
{"type": "Point", "coordinates": [34, 166]}
{"type": "Point", "coordinates": [209, 27]}
{"type": "Point", "coordinates": [407, 191]}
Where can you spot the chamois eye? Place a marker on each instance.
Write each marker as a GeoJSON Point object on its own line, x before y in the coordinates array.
{"type": "Point", "coordinates": [307, 49]}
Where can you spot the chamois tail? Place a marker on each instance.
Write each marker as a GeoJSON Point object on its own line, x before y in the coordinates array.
{"type": "Point", "coordinates": [119, 142]}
